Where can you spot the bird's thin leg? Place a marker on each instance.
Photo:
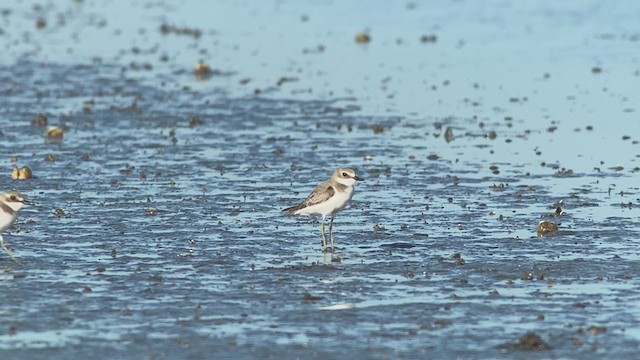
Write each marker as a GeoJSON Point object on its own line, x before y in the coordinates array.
{"type": "Point", "coordinates": [324, 238]}
{"type": "Point", "coordinates": [331, 232]}
{"type": "Point", "coordinates": [5, 248]}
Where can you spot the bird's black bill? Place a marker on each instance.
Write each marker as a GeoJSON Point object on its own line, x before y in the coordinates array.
{"type": "Point", "coordinates": [358, 178]}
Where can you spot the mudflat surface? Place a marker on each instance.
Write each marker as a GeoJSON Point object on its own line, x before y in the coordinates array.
{"type": "Point", "coordinates": [157, 231]}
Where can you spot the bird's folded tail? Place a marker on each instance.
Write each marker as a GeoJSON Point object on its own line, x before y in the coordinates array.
{"type": "Point", "coordinates": [293, 209]}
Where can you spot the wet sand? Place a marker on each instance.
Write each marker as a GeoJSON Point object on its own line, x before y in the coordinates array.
{"type": "Point", "coordinates": [158, 231]}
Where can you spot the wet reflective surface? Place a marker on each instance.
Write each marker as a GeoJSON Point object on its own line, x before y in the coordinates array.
{"type": "Point", "coordinates": [158, 233]}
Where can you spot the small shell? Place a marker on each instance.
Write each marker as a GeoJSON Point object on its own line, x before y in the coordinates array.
{"type": "Point", "coordinates": [22, 173]}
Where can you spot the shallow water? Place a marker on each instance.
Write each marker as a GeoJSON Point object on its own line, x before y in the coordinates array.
{"type": "Point", "coordinates": [173, 244]}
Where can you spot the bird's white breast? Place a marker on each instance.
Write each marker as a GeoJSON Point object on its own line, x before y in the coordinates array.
{"type": "Point", "coordinates": [336, 203]}
{"type": "Point", "coordinates": [6, 219]}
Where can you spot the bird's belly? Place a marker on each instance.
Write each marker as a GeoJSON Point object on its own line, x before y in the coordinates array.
{"type": "Point", "coordinates": [336, 203]}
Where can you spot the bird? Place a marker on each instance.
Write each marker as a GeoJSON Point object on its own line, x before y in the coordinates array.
{"type": "Point", "coordinates": [10, 203]}
{"type": "Point", "coordinates": [327, 199]}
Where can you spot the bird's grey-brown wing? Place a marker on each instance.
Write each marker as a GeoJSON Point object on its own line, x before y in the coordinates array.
{"type": "Point", "coordinates": [6, 208]}
{"type": "Point", "coordinates": [321, 193]}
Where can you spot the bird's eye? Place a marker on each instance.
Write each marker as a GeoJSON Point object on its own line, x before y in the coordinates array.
{"type": "Point", "coordinates": [344, 174]}
{"type": "Point", "coordinates": [13, 198]}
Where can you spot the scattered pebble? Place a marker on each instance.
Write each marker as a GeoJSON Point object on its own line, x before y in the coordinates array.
{"type": "Point", "coordinates": [194, 121]}
{"type": "Point", "coordinates": [564, 171]}
{"type": "Point", "coordinates": [528, 276]}
{"type": "Point", "coordinates": [41, 23]}
{"type": "Point", "coordinates": [202, 70]}
{"type": "Point", "coordinates": [40, 120]}
{"type": "Point", "coordinates": [127, 170]}
{"type": "Point", "coordinates": [363, 38]}
{"type": "Point", "coordinates": [448, 135]}
{"type": "Point", "coordinates": [491, 135]}
{"type": "Point", "coordinates": [458, 259]}
{"type": "Point", "coordinates": [528, 342]}
{"type": "Point", "coordinates": [428, 39]}
{"type": "Point", "coordinates": [54, 133]}
{"type": "Point", "coordinates": [309, 297]}
{"type": "Point", "coordinates": [50, 158]}
{"type": "Point", "coordinates": [378, 228]}
{"type": "Point", "coordinates": [547, 228]}
{"type": "Point", "coordinates": [286, 79]}
{"type": "Point", "coordinates": [593, 330]}
{"type": "Point", "coordinates": [166, 29]}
